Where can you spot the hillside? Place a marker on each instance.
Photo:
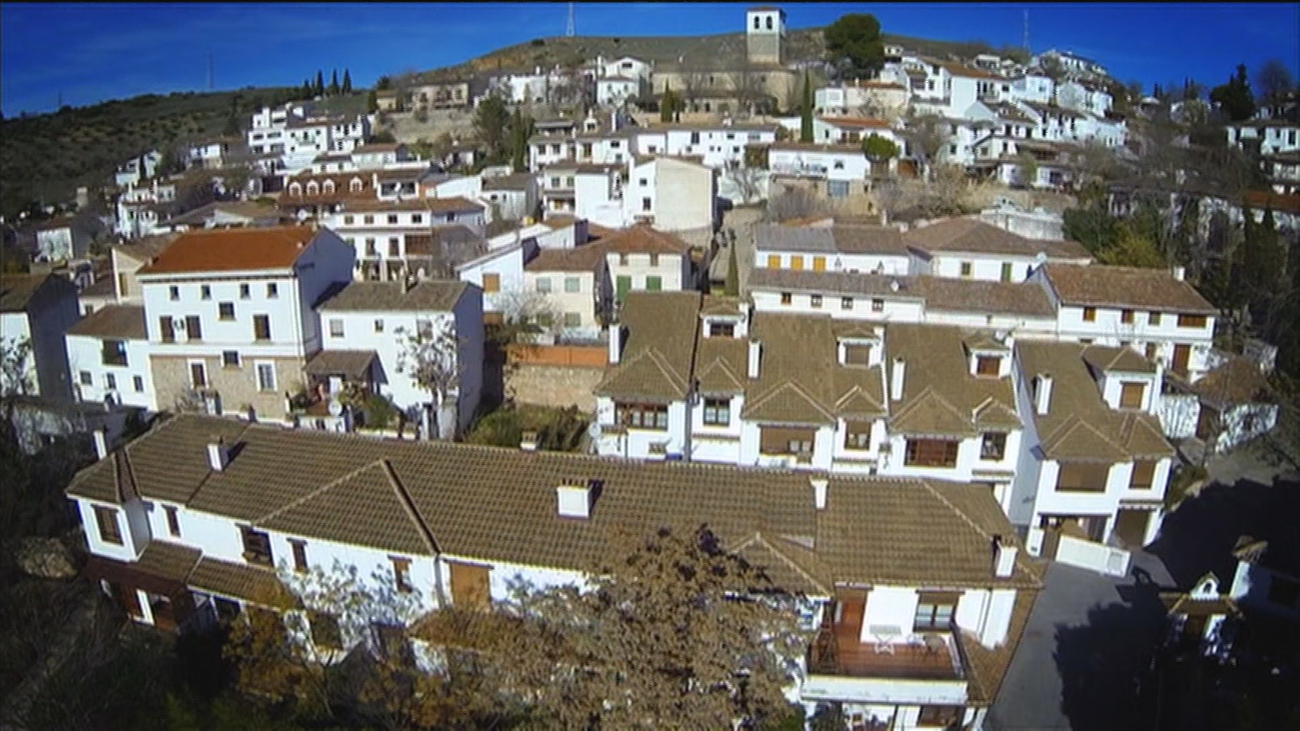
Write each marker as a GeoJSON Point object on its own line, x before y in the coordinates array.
{"type": "Point", "coordinates": [45, 157]}
{"type": "Point", "coordinates": [802, 45]}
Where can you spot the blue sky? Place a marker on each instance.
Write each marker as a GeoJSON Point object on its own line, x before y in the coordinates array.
{"type": "Point", "coordinates": [91, 52]}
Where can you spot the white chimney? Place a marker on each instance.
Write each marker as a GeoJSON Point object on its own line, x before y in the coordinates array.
{"type": "Point", "coordinates": [616, 336]}
{"type": "Point", "coordinates": [755, 352]}
{"type": "Point", "coordinates": [896, 379]}
{"type": "Point", "coordinates": [1043, 395]}
{"type": "Point", "coordinates": [1180, 273]}
{"type": "Point", "coordinates": [819, 486]}
{"type": "Point", "coordinates": [1004, 558]}
{"type": "Point", "coordinates": [101, 443]}
{"type": "Point", "coordinates": [575, 501]}
{"type": "Point", "coordinates": [218, 455]}
{"type": "Point", "coordinates": [528, 441]}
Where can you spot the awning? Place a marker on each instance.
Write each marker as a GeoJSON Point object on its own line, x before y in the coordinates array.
{"type": "Point", "coordinates": [163, 569]}
{"type": "Point", "coordinates": [353, 364]}
{"type": "Point", "coordinates": [237, 581]}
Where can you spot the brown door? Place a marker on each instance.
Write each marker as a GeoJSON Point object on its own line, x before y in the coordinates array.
{"type": "Point", "coordinates": [1182, 353]}
{"type": "Point", "coordinates": [470, 585]}
{"type": "Point", "coordinates": [128, 598]}
{"type": "Point", "coordinates": [198, 375]}
{"type": "Point", "coordinates": [852, 609]}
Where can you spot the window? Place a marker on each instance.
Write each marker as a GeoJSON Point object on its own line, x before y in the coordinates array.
{"type": "Point", "coordinates": [205, 292]}
{"type": "Point", "coordinates": [877, 305]}
{"type": "Point", "coordinates": [945, 716]}
{"type": "Point", "coordinates": [244, 291]}
{"type": "Point", "coordinates": [257, 546]}
{"type": "Point", "coordinates": [1130, 394]}
{"type": "Point", "coordinates": [1006, 271]}
{"type": "Point", "coordinates": [654, 284]}
{"type": "Point", "coordinates": [417, 218]}
{"type": "Point", "coordinates": [325, 630]}
{"type": "Point", "coordinates": [993, 446]}
{"type": "Point", "coordinates": [816, 301]}
{"type": "Point", "coordinates": [837, 188]}
{"type": "Point", "coordinates": [572, 284]}
{"type": "Point", "coordinates": [796, 263]}
{"type": "Point", "coordinates": [368, 219]}
{"type": "Point", "coordinates": [165, 331]}
{"type": "Point", "coordinates": [573, 319]}
{"type": "Point", "coordinates": [846, 303]}
{"type": "Point", "coordinates": [1082, 477]}
{"type": "Point", "coordinates": [1191, 321]}
{"type": "Point", "coordinates": [402, 574]}
{"type": "Point", "coordinates": [786, 298]}
{"type": "Point", "coordinates": [174, 293]}
{"type": "Point", "coordinates": [138, 383]}
{"type": "Point", "coordinates": [1126, 317]}
{"type": "Point", "coordinates": [934, 610]}
{"type": "Point", "coordinates": [336, 327]}
{"type": "Point", "coordinates": [262, 327]}
{"type": "Point", "coordinates": [272, 290]}
{"type": "Point", "coordinates": [110, 381]}
{"type": "Point", "coordinates": [114, 353]}
{"type": "Point", "coordinates": [392, 218]}
{"type": "Point", "coordinates": [109, 531]}
{"type": "Point", "coordinates": [785, 440]}
{"type": "Point", "coordinates": [491, 282]}
{"type": "Point", "coordinates": [931, 453]}
{"type": "Point", "coordinates": [230, 358]}
{"type": "Point", "coordinates": [654, 259]}
{"type": "Point", "coordinates": [1090, 314]}
{"type": "Point", "coordinates": [857, 435]}
{"type": "Point", "coordinates": [379, 325]}
{"type": "Point", "coordinates": [773, 261]}
{"type": "Point", "coordinates": [642, 416]}
{"type": "Point", "coordinates": [1150, 351]}
{"type": "Point", "coordinates": [987, 365]}
{"type": "Point", "coordinates": [857, 354]}
{"type": "Point", "coordinates": [85, 378]}
{"type": "Point", "coordinates": [193, 328]}
{"type": "Point", "coordinates": [717, 411]}
{"type": "Point", "coordinates": [722, 330]}
{"type": "Point", "coordinates": [266, 376]}
{"type": "Point", "coordinates": [173, 520]}
{"type": "Point", "coordinates": [645, 204]}
{"type": "Point", "coordinates": [225, 310]}
{"type": "Point", "coordinates": [198, 374]}
{"type": "Point", "coordinates": [347, 220]}
{"type": "Point", "coordinates": [543, 284]}
{"type": "Point", "coordinates": [1144, 475]}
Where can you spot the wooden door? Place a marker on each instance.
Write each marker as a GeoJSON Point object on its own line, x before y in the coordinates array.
{"type": "Point", "coordinates": [470, 585]}
{"type": "Point", "coordinates": [128, 598]}
{"type": "Point", "coordinates": [852, 610]}
{"type": "Point", "coordinates": [198, 375]}
{"type": "Point", "coordinates": [1182, 354]}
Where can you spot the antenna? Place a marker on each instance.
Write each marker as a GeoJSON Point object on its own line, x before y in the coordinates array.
{"type": "Point", "coordinates": [209, 71]}
{"type": "Point", "coordinates": [1027, 33]}
{"type": "Point", "coordinates": [569, 29]}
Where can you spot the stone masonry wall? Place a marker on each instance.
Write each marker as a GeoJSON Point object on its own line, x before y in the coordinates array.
{"type": "Point", "coordinates": [552, 385]}
{"type": "Point", "coordinates": [237, 386]}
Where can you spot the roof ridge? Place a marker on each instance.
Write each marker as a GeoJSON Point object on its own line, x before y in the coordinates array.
{"type": "Point", "coordinates": [313, 493]}
{"type": "Point", "coordinates": [971, 521]}
{"type": "Point", "coordinates": [913, 404]}
{"type": "Point", "coordinates": [408, 505]}
{"type": "Point", "coordinates": [758, 538]}
{"type": "Point", "coordinates": [787, 383]}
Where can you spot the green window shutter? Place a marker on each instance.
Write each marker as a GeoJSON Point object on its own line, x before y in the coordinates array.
{"type": "Point", "coordinates": [623, 286]}
{"type": "Point", "coordinates": [654, 284]}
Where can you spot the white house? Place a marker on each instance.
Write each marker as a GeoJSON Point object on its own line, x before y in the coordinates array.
{"type": "Point", "coordinates": [136, 169]}
{"type": "Point", "coordinates": [1274, 136]}
{"type": "Point", "coordinates": [849, 249]}
{"type": "Point", "coordinates": [366, 326]}
{"type": "Point", "coordinates": [1267, 576]}
{"type": "Point", "coordinates": [670, 194]}
{"type": "Point", "coordinates": [65, 237]}
{"type": "Point", "coordinates": [571, 288]}
{"type": "Point", "coordinates": [645, 258]}
{"type": "Point", "coordinates": [618, 90]}
{"type": "Point", "coordinates": [1237, 404]}
{"type": "Point", "coordinates": [969, 248]}
{"type": "Point", "coordinates": [36, 311]}
{"type": "Point", "coordinates": [230, 318]}
{"type": "Point", "coordinates": [108, 357]}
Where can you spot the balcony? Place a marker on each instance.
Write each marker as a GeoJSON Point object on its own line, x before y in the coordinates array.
{"type": "Point", "coordinates": [802, 171]}
{"type": "Point", "coordinates": [915, 669]}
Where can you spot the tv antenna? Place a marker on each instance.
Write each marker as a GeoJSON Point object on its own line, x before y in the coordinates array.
{"type": "Point", "coordinates": [569, 29]}
{"type": "Point", "coordinates": [209, 72]}
{"type": "Point", "coordinates": [1026, 43]}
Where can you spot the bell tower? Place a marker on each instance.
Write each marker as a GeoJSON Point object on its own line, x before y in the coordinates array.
{"type": "Point", "coordinates": [765, 35]}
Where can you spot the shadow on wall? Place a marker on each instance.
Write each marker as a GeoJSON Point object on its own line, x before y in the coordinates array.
{"type": "Point", "coordinates": [1105, 663]}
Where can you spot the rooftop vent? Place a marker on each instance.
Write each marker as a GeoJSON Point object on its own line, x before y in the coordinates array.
{"type": "Point", "coordinates": [575, 499]}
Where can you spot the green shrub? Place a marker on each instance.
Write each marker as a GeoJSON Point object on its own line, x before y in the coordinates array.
{"type": "Point", "coordinates": [379, 412]}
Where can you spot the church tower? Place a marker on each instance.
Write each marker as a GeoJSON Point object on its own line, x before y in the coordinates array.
{"type": "Point", "coordinates": [765, 35]}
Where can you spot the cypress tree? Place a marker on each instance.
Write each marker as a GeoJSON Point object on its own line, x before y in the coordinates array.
{"type": "Point", "coordinates": [732, 287]}
{"type": "Point", "coordinates": [334, 83]}
{"type": "Point", "coordinates": [806, 111]}
{"type": "Point", "coordinates": [319, 89]}
{"type": "Point", "coordinates": [347, 82]}
{"type": "Point", "coordinates": [666, 105]}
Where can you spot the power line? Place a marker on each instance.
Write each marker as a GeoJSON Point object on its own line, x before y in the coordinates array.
{"type": "Point", "coordinates": [569, 29]}
{"type": "Point", "coordinates": [209, 72]}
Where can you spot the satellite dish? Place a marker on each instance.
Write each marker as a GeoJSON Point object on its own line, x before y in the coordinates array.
{"type": "Point", "coordinates": [335, 407]}
{"type": "Point", "coordinates": [593, 430]}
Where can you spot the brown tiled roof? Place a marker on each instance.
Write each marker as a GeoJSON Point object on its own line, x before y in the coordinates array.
{"type": "Point", "coordinates": [585, 258]}
{"type": "Point", "coordinates": [1126, 360]}
{"type": "Point", "coordinates": [168, 560]}
{"type": "Point", "coordinates": [970, 295]}
{"type": "Point", "coordinates": [16, 290]}
{"type": "Point", "coordinates": [975, 236]}
{"type": "Point", "coordinates": [643, 239]}
{"type": "Point", "coordinates": [796, 382]}
{"type": "Point", "coordinates": [103, 287]}
{"type": "Point", "coordinates": [1078, 424]}
{"type": "Point", "coordinates": [940, 395]}
{"type": "Point", "coordinates": [514, 181]}
{"type": "Point", "coordinates": [456, 204]}
{"type": "Point", "coordinates": [243, 209]}
{"type": "Point", "coordinates": [146, 247]}
{"type": "Point", "coordinates": [848, 149]}
{"type": "Point", "coordinates": [371, 148]}
{"type": "Point", "coordinates": [114, 321]}
{"type": "Point", "coordinates": [849, 283]}
{"type": "Point", "coordinates": [349, 363]}
{"type": "Point", "coordinates": [235, 249]}
{"type": "Point", "coordinates": [471, 501]}
{"type": "Point", "coordinates": [834, 239]}
{"type": "Point", "coordinates": [1239, 381]}
{"type": "Point", "coordinates": [1114, 286]}
{"type": "Point", "coordinates": [720, 364]}
{"type": "Point", "coordinates": [431, 295]}
{"type": "Point", "coordinates": [856, 122]}
{"type": "Point", "coordinates": [722, 306]}
{"type": "Point", "coordinates": [658, 355]}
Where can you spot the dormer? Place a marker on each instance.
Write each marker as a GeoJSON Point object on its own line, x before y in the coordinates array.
{"type": "Point", "coordinates": [1126, 380]}
{"type": "Point", "coordinates": [575, 499]}
{"type": "Point", "coordinates": [859, 350]}
{"type": "Point", "coordinates": [987, 356]}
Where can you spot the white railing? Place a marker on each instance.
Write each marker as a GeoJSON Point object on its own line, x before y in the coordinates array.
{"type": "Point", "coordinates": [802, 170]}
{"type": "Point", "coordinates": [1093, 556]}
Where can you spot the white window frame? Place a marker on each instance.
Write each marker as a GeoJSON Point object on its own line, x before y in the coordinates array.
{"type": "Point", "coordinates": [257, 375]}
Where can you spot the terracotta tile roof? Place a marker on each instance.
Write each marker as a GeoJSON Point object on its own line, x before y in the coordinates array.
{"type": "Point", "coordinates": [975, 236]}
{"type": "Point", "coordinates": [514, 181]}
{"type": "Point", "coordinates": [242, 209]}
{"type": "Point", "coordinates": [347, 363]}
{"type": "Point", "coordinates": [1079, 424]}
{"type": "Point", "coordinates": [796, 372]}
{"type": "Point", "coordinates": [721, 364]}
{"type": "Point", "coordinates": [114, 321]}
{"type": "Point", "coordinates": [455, 204]}
{"type": "Point", "coordinates": [1026, 299]}
{"type": "Point", "coordinates": [431, 295]}
{"type": "Point", "coordinates": [168, 560]}
{"type": "Point", "coordinates": [1125, 360]}
{"type": "Point", "coordinates": [235, 249]}
{"type": "Point", "coordinates": [846, 149]}
{"type": "Point", "coordinates": [17, 290]}
{"type": "Point", "coordinates": [1238, 381]}
{"type": "Point", "coordinates": [858, 239]}
{"type": "Point", "coordinates": [374, 148]}
{"type": "Point", "coordinates": [846, 283]}
{"type": "Point", "coordinates": [1113, 286]}
{"type": "Point", "coordinates": [722, 306]}
{"type": "Point", "coordinates": [940, 395]}
{"type": "Point", "coordinates": [146, 247]}
{"type": "Point", "coordinates": [856, 122]}
{"type": "Point", "coordinates": [643, 239]}
{"type": "Point", "coordinates": [658, 355]}
{"type": "Point", "coordinates": [585, 258]}
{"type": "Point", "coordinates": [495, 504]}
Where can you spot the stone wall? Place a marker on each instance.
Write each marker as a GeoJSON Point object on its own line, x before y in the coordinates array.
{"type": "Point", "coordinates": [553, 385]}
{"type": "Point", "coordinates": [237, 386]}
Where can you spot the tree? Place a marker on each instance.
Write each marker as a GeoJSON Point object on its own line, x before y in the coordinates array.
{"type": "Point", "coordinates": [347, 82]}
{"type": "Point", "coordinates": [319, 88]}
{"type": "Point", "coordinates": [667, 105]}
{"type": "Point", "coordinates": [879, 149]}
{"type": "Point", "coordinates": [793, 202]}
{"type": "Point", "coordinates": [431, 357]}
{"type": "Point", "coordinates": [715, 641]}
{"type": "Point", "coordinates": [1026, 169]}
{"type": "Point", "coordinates": [15, 370]}
{"type": "Point", "coordinates": [1275, 85]}
{"type": "Point", "coordinates": [1235, 98]}
{"type": "Point", "coordinates": [383, 83]}
{"type": "Point", "coordinates": [747, 86]}
{"type": "Point", "coordinates": [926, 134]}
{"type": "Point", "coordinates": [525, 312]}
{"type": "Point", "coordinates": [806, 111]}
{"type": "Point", "coordinates": [854, 47]}
{"type": "Point", "coordinates": [732, 287]}
{"type": "Point", "coordinates": [372, 102]}
{"type": "Point", "coordinates": [1131, 249]}
{"type": "Point", "coordinates": [521, 128]}
{"type": "Point", "coordinates": [491, 122]}
{"type": "Point", "coordinates": [334, 83]}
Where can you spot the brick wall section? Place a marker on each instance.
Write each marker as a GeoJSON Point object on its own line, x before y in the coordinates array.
{"type": "Point", "coordinates": [237, 386]}
{"type": "Point", "coordinates": [558, 355]}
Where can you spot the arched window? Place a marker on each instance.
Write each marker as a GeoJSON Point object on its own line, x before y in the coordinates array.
{"type": "Point", "coordinates": [769, 22]}
{"type": "Point", "coordinates": [757, 20]}
{"type": "Point", "coordinates": [313, 188]}
{"type": "Point", "coordinates": [328, 186]}
{"type": "Point", "coordinates": [295, 189]}
{"type": "Point", "coordinates": [355, 185]}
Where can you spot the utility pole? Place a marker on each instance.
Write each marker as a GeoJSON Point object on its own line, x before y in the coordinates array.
{"type": "Point", "coordinates": [1026, 42]}
{"type": "Point", "coordinates": [209, 71]}
{"type": "Point", "coordinates": [570, 30]}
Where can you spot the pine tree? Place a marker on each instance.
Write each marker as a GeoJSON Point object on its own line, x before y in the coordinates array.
{"type": "Point", "coordinates": [319, 89]}
{"type": "Point", "coordinates": [334, 83]}
{"type": "Point", "coordinates": [732, 287]}
{"type": "Point", "coordinates": [372, 102]}
{"type": "Point", "coordinates": [347, 82]}
{"type": "Point", "coordinates": [306, 90]}
{"type": "Point", "coordinates": [806, 111]}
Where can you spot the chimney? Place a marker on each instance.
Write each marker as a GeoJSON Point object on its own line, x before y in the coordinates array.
{"type": "Point", "coordinates": [576, 500]}
{"type": "Point", "coordinates": [528, 441]}
{"type": "Point", "coordinates": [1180, 273]}
{"type": "Point", "coordinates": [1043, 394]}
{"type": "Point", "coordinates": [896, 379]}
{"type": "Point", "coordinates": [616, 336]}
{"type": "Point", "coordinates": [218, 455]}
{"type": "Point", "coordinates": [819, 486]}
{"type": "Point", "coordinates": [1004, 558]}
{"type": "Point", "coordinates": [755, 353]}
{"type": "Point", "coordinates": [101, 443]}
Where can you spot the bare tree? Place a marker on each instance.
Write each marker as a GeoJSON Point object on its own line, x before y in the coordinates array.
{"type": "Point", "coordinates": [15, 370]}
{"type": "Point", "coordinates": [526, 313]}
{"type": "Point", "coordinates": [793, 202]}
{"type": "Point", "coordinates": [749, 90]}
{"type": "Point", "coordinates": [926, 134]}
{"type": "Point", "coordinates": [431, 356]}
{"type": "Point", "coordinates": [1274, 85]}
{"type": "Point", "coordinates": [748, 181]}
{"type": "Point", "coordinates": [697, 78]}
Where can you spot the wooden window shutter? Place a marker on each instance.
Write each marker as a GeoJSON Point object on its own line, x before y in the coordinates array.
{"type": "Point", "coordinates": [470, 585]}
{"type": "Point", "coordinates": [1130, 395]}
